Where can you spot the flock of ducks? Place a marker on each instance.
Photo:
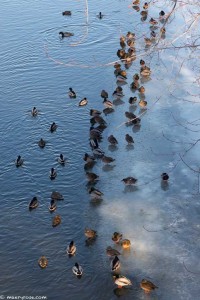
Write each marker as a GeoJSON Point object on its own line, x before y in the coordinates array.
{"type": "Point", "coordinates": [97, 126]}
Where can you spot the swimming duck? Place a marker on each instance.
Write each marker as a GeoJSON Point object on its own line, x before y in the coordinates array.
{"type": "Point", "coordinates": [107, 103]}
{"type": "Point", "coordinates": [53, 127]}
{"type": "Point", "coordinates": [98, 151]}
{"type": "Point", "coordinates": [144, 13]}
{"type": "Point", "coordinates": [67, 13]}
{"type": "Point", "coordinates": [95, 193]}
{"type": "Point", "coordinates": [34, 111]}
{"type": "Point", "coordinates": [56, 196]}
{"type": "Point", "coordinates": [145, 72]}
{"type": "Point", "coordinates": [141, 90]}
{"type": "Point", "coordinates": [90, 233]}
{"type": "Point", "coordinates": [112, 140]}
{"type": "Point", "coordinates": [43, 262]}
{"type": "Point", "coordinates": [164, 176]}
{"type": "Point", "coordinates": [132, 100]}
{"type": "Point", "coordinates": [136, 77]}
{"type": "Point", "coordinates": [112, 252]}
{"type": "Point", "coordinates": [71, 93]}
{"type": "Point", "coordinates": [129, 139]}
{"type": "Point", "coordinates": [107, 159]}
{"type": "Point", "coordinates": [65, 34]}
{"type": "Point", "coordinates": [88, 158]}
{"type": "Point", "coordinates": [94, 112]}
{"type": "Point", "coordinates": [71, 249]}
{"type": "Point", "coordinates": [118, 92]}
{"type": "Point", "coordinates": [142, 103]}
{"type": "Point", "coordinates": [116, 237]}
{"type": "Point", "coordinates": [162, 30]}
{"type": "Point", "coordinates": [121, 281]}
{"type": "Point", "coordinates": [130, 35]}
{"type": "Point", "coordinates": [121, 76]}
{"type": "Point", "coordinates": [61, 159]}
{"type": "Point", "coordinates": [130, 115]}
{"type": "Point", "coordinates": [52, 174]}
{"type": "Point", "coordinates": [41, 143]}
{"type": "Point", "coordinates": [83, 102]}
{"type": "Point", "coordinates": [129, 180]}
{"type": "Point", "coordinates": [52, 206]}
{"type": "Point", "coordinates": [89, 165]}
{"type": "Point", "coordinates": [100, 16]}
{"type": "Point", "coordinates": [77, 270]}
{"type": "Point", "coordinates": [121, 53]}
{"type": "Point", "coordinates": [146, 5]}
{"type": "Point", "coordinates": [122, 42]}
{"type": "Point", "coordinates": [92, 177]}
{"type": "Point", "coordinates": [152, 21]}
{"type": "Point", "coordinates": [117, 65]}
{"type": "Point", "coordinates": [108, 110]}
{"type": "Point", "coordinates": [34, 203]}
{"type": "Point", "coordinates": [104, 94]}
{"type": "Point", "coordinates": [125, 243]}
{"type": "Point", "coordinates": [19, 161]}
{"type": "Point", "coordinates": [147, 286]}
{"type": "Point", "coordinates": [134, 85]}
{"type": "Point", "coordinates": [136, 2]}
{"type": "Point", "coordinates": [56, 221]}
{"type": "Point", "coordinates": [161, 15]}
{"type": "Point", "coordinates": [130, 43]}
{"type": "Point", "coordinates": [115, 264]}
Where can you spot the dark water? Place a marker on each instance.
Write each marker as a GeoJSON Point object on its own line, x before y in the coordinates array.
{"type": "Point", "coordinates": [37, 68]}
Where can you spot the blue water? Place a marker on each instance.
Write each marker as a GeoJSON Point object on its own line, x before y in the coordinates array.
{"type": "Point", "coordinates": [37, 68]}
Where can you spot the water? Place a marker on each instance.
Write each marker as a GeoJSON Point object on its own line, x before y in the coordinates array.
{"type": "Point", "coordinates": [162, 222]}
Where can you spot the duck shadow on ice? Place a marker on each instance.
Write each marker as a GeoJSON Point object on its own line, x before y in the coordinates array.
{"type": "Point", "coordinates": [130, 189]}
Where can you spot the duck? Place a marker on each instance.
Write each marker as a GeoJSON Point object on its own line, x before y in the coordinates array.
{"type": "Point", "coordinates": [142, 103]}
{"type": "Point", "coordinates": [77, 270]}
{"type": "Point", "coordinates": [141, 90]}
{"type": "Point", "coordinates": [92, 177]}
{"type": "Point", "coordinates": [43, 262]}
{"type": "Point", "coordinates": [144, 13]}
{"type": "Point", "coordinates": [147, 286]}
{"type": "Point", "coordinates": [112, 252]}
{"type": "Point", "coordinates": [56, 221]}
{"type": "Point", "coordinates": [95, 193]}
{"type": "Point", "coordinates": [71, 249]}
{"type": "Point", "coordinates": [161, 15]}
{"type": "Point", "coordinates": [95, 112]}
{"type": "Point", "coordinates": [117, 65]}
{"type": "Point", "coordinates": [153, 34]}
{"type": "Point", "coordinates": [52, 206]}
{"type": "Point", "coordinates": [89, 165]}
{"type": "Point", "coordinates": [71, 93]}
{"type": "Point", "coordinates": [135, 121]}
{"type": "Point", "coordinates": [101, 127]}
{"type": "Point", "coordinates": [130, 43]}
{"type": "Point", "coordinates": [122, 42]}
{"type": "Point", "coordinates": [83, 102]}
{"type": "Point", "coordinates": [19, 161]}
{"type": "Point", "coordinates": [61, 159]}
{"type": "Point", "coordinates": [90, 233]}
{"type": "Point", "coordinates": [134, 85]}
{"type": "Point", "coordinates": [104, 94]}
{"type": "Point", "coordinates": [34, 203]}
{"type": "Point", "coordinates": [129, 139]}
{"type": "Point", "coordinates": [42, 143]}
{"type": "Point", "coordinates": [121, 281]}
{"type": "Point", "coordinates": [52, 174]}
{"type": "Point", "coordinates": [145, 72]}
{"type": "Point", "coordinates": [107, 103]}
{"type": "Point", "coordinates": [100, 16]}
{"type": "Point", "coordinates": [98, 151]}
{"type": "Point", "coordinates": [107, 159]}
{"type": "Point", "coordinates": [95, 134]}
{"type": "Point", "coordinates": [115, 264]}
{"type": "Point", "coordinates": [121, 53]}
{"type": "Point", "coordinates": [136, 2]}
{"type": "Point", "coordinates": [130, 115]}
{"type": "Point", "coordinates": [142, 63]}
{"type": "Point", "coordinates": [125, 244]}
{"type": "Point", "coordinates": [132, 100]}
{"type": "Point", "coordinates": [118, 92]}
{"type": "Point", "coordinates": [56, 196]}
{"type": "Point", "coordinates": [164, 176]}
{"type": "Point", "coordinates": [97, 119]}
{"type": "Point", "coordinates": [152, 21]}
{"type": "Point", "coordinates": [108, 110]}
{"type": "Point", "coordinates": [116, 237]}
{"type": "Point", "coordinates": [53, 127]}
{"type": "Point", "coordinates": [94, 143]}
{"type": "Point", "coordinates": [65, 34]}
{"type": "Point", "coordinates": [129, 180]}
{"type": "Point", "coordinates": [147, 41]}
{"type": "Point", "coordinates": [34, 111]}
{"type": "Point", "coordinates": [112, 140]}
{"type": "Point", "coordinates": [88, 158]}
{"type": "Point", "coordinates": [130, 35]}
{"type": "Point", "coordinates": [163, 30]}
{"type": "Point", "coordinates": [121, 76]}
{"type": "Point", "coordinates": [67, 13]}
{"type": "Point", "coordinates": [146, 5]}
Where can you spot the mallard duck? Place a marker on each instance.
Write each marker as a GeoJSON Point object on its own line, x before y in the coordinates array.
{"type": "Point", "coordinates": [34, 111]}
{"type": "Point", "coordinates": [129, 180]}
{"type": "Point", "coordinates": [121, 281]}
{"type": "Point", "coordinates": [135, 121]}
{"type": "Point", "coordinates": [53, 127]}
{"type": "Point", "coordinates": [104, 94]}
{"type": "Point", "coordinates": [153, 34]}
{"type": "Point", "coordinates": [65, 34]}
{"type": "Point", "coordinates": [134, 85]}
{"type": "Point", "coordinates": [56, 221]}
{"type": "Point", "coordinates": [43, 262]}
{"type": "Point", "coordinates": [117, 65]}
{"type": "Point", "coordinates": [147, 41]}
{"type": "Point", "coordinates": [116, 237]}
{"type": "Point", "coordinates": [130, 35]}
{"type": "Point", "coordinates": [98, 151]}
{"type": "Point", "coordinates": [71, 249]}
{"type": "Point", "coordinates": [89, 165]}
{"type": "Point", "coordinates": [141, 90]}
{"type": "Point", "coordinates": [129, 139]}
{"type": "Point", "coordinates": [161, 15]}
{"type": "Point", "coordinates": [132, 100]}
{"type": "Point", "coordinates": [162, 30]}
{"type": "Point", "coordinates": [107, 103]}
{"type": "Point", "coordinates": [112, 140]}
{"type": "Point", "coordinates": [56, 196]}
{"type": "Point", "coordinates": [67, 13]}
{"type": "Point", "coordinates": [130, 115]}
{"type": "Point", "coordinates": [52, 206]}
{"type": "Point", "coordinates": [142, 103]}
{"type": "Point", "coordinates": [121, 77]}
{"type": "Point", "coordinates": [83, 102]}
{"type": "Point", "coordinates": [107, 159]}
{"type": "Point", "coordinates": [144, 13]}
{"type": "Point", "coordinates": [95, 133]}
{"type": "Point", "coordinates": [95, 193]}
{"type": "Point", "coordinates": [92, 177]}
{"type": "Point", "coordinates": [61, 159]}
{"type": "Point", "coordinates": [42, 143]}
{"type": "Point", "coordinates": [147, 286]}
{"type": "Point", "coordinates": [136, 77]}
{"type": "Point", "coordinates": [125, 243]}
{"type": "Point", "coordinates": [142, 63]}
{"type": "Point", "coordinates": [122, 42]}
{"type": "Point", "coordinates": [146, 5]}
{"type": "Point", "coordinates": [97, 119]}
{"type": "Point", "coordinates": [94, 143]}
{"type": "Point", "coordinates": [90, 233]}
{"type": "Point", "coordinates": [164, 176]}
{"type": "Point", "coordinates": [121, 53]}
{"type": "Point", "coordinates": [34, 203]}
{"type": "Point", "coordinates": [145, 72]}
{"type": "Point", "coordinates": [136, 2]}
{"type": "Point", "coordinates": [77, 270]}
{"type": "Point", "coordinates": [88, 158]}
{"type": "Point", "coordinates": [71, 93]}
{"type": "Point", "coordinates": [108, 110]}
{"type": "Point", "coordinates": [130, 43]}
{"type": "Point", "coordinates": [115, 264]}
{"type": "Point", "coordinates": [136, 7]}
{"type": "Point", "coordinates": [112, 252]}
{"type": "Point", "coordinates": [52, 174]}
{"type": "Point", "coordinates": [152, 21]}
{"type": "Point", "coordinates": [118, 92]}
{"type": "Point", "coordinates": [19, 161]}
{"type": "Point", "coordinates": [100, 16]}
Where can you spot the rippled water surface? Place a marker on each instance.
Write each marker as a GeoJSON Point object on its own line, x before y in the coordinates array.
{"type": "Point", "coordinates": [162, 222]}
